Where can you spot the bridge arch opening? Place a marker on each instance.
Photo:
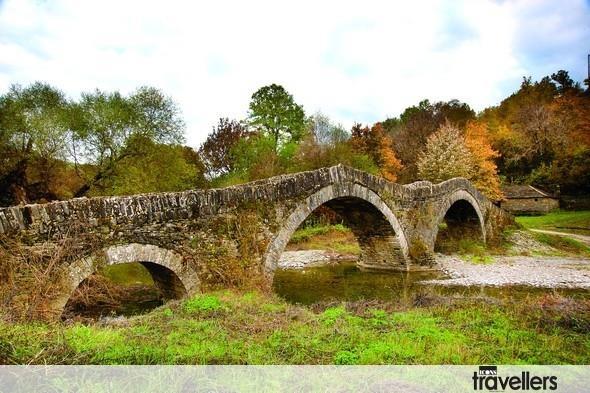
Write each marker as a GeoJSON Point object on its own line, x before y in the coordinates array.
{"type": "Point", "coordinates": [153, 266]}
{"type": "Point", "coordinates": [460, 225]}
{"type": "Point", "coordinates": [380, 237]}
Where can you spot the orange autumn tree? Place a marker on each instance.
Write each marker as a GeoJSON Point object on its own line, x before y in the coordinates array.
{"type": "Point", "coordinates": [485, 173]}
{"type": "Point", "coordinates": [389, 164]}
{"type": "Point", "coordinates": [373, 142]}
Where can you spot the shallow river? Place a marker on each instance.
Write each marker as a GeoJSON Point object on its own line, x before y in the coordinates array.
{"type": "Point", "coordinates": [339, 282]}
{"type": "Point", "coordinates": [346, 282]}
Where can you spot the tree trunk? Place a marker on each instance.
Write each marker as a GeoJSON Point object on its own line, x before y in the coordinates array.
{"type": "Point", "coordinates": [13, 185]}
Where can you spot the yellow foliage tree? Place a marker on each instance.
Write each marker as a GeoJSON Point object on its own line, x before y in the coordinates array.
{"type": "Point", "coordinates": [390, 165]}
{"type": "Point", "coordinates": [445, 156]}
{"type": "Point", "coordinates": [485, 173]}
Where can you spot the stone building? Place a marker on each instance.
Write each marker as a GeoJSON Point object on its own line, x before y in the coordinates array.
{"type": "Point", "coordinates": [528, 199]}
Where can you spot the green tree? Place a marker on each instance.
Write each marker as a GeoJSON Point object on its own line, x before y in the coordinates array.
{"type": "Point", "coordinates": [256, 158]}
{"type": "Point", "coordinates": [160, 168]}
{"type": "Point", "coordinates": [33, 126]}
{"type": "Point", "coordinates": [274, 112]}
{"type": "Point", "coordinates": [111, 128]}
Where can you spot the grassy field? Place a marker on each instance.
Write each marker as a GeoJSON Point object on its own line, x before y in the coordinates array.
{"type": "Point", "coordinates": [128, 274]}
{"type": "Point", "coordinates": [576, 222]}
{"type": "Point", "coordinates": [564, 221]}
{"type": "Point", "coordinates": [336, 238]}
{"type": "Point", "coordinates": [252, 328]}
{"type": "Point", "coordinates": [563, 244]}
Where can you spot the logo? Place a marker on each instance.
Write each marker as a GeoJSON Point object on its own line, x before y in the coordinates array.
{"type": "Point", "coordinates": [487, 379]}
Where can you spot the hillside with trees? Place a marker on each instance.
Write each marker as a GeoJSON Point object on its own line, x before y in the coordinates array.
{"type": "Point", "coordinates": [105, 143]}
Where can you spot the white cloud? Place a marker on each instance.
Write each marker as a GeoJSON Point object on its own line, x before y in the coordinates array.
{"type": "Point", "coordinates": [355, 61]}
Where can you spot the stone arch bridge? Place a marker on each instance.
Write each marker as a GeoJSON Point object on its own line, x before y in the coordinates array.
{"type": "Point", "coordinates": [193, 239]}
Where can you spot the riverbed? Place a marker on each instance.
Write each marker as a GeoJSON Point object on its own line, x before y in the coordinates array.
{"type": "Point", "coordinates": [322, 279]}
{"type": "Point", "coordinates": [314, 276]}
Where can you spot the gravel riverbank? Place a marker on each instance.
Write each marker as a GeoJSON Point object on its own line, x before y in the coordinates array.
{"type": "Point", "coordinates": [545, 272]}
{"type": "Point", "coordinates": [309, 258]}
{"type": "Point", "coordinates": [538, 271]}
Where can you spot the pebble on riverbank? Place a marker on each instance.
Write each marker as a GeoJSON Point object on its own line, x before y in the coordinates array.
{"type": "Point", "coordinates": [309, 258]}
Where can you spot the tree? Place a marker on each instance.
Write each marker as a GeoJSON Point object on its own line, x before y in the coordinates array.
{"type": "Point", "coordinates": [160, 168]}
{"type": "Point", "coordinates": [538, 125]}
{"type": "Point", "coordinates": [449, 153]}
{"type": "Point", "coordinates": [256, 158]}
{"type": "Point", "coordinates": [327, 144]}
{"type": "Point", "coordinates": [410, 133]}
{"type": "Point", "coordinates": [377, 145]}
{"type": "Point", "coordinates": [274, 112]}
{"type": "Point", "coordinates": [156, 116]}
{"type": "Point", "coordinates": [569, 167]}
{"type": "Point", "coordinates": [389, 165]}
{"type": "Point", "coordinates": [111, 128]}
{"type": "Point", "coordinates": [324, 132]}
{"type": "Point", "coordinates": [33, 124]}
{"type": "Point", "coordinates": [445, 156]}
{"type": "Point", "coordinates": [565, 83]}
{"type": "Point", "coordinates": [216, 151]}
{"type": "Point", "coordinates": [485, 173]}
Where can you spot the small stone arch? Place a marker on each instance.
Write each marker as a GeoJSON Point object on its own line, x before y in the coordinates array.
{"type": "Point", "coordinates": [166, 267]}
{"type": "Point", "coordinates": [327, 194]}
{"type": "Point", "coordinates": [458, 195]}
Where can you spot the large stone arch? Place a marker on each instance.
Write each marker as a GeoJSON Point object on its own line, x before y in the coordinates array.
{"type": "Point", "coordinates": [166, 267]}
{"type": "Point", "coordinates": [447, 202]}
{"type": "Point", "coordinates": [323, 196]}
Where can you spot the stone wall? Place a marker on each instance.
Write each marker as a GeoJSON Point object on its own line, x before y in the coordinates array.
{"type": "Point", "coordinates": [530, 205]}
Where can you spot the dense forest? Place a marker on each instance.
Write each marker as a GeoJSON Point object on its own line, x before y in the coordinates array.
{"type": "Point", "coordinates": [106, 143]}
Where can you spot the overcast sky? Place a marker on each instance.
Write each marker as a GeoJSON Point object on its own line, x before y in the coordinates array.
{"type": "Point", "coordinates": [355, 61]}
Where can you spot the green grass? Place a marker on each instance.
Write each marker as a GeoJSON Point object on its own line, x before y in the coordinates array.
{"type": "Point", "coordinates": [561, 221]}
{"type": "Point", "coordinates": [470, 249]}
{"type": "Point", "coordinates": [336, 238]}
{"type": "Point", "coordinates": [562, 243]}
{"type": "Point", "coordinates": [206, 303]}
{"type": "Point", "coordinates": [568, 221]}
{"type": "Point", "coordinates": [127, 274]}
{"type": "Point", "coordinates": [253, 328]}
{"type": "Point", "coordinates": [306, 233]}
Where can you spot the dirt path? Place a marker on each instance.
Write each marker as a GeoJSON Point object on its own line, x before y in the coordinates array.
{"type": "Point", "coordinates": [581, 238]}
{"type": "Point", "coordinates": [546, 272]}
